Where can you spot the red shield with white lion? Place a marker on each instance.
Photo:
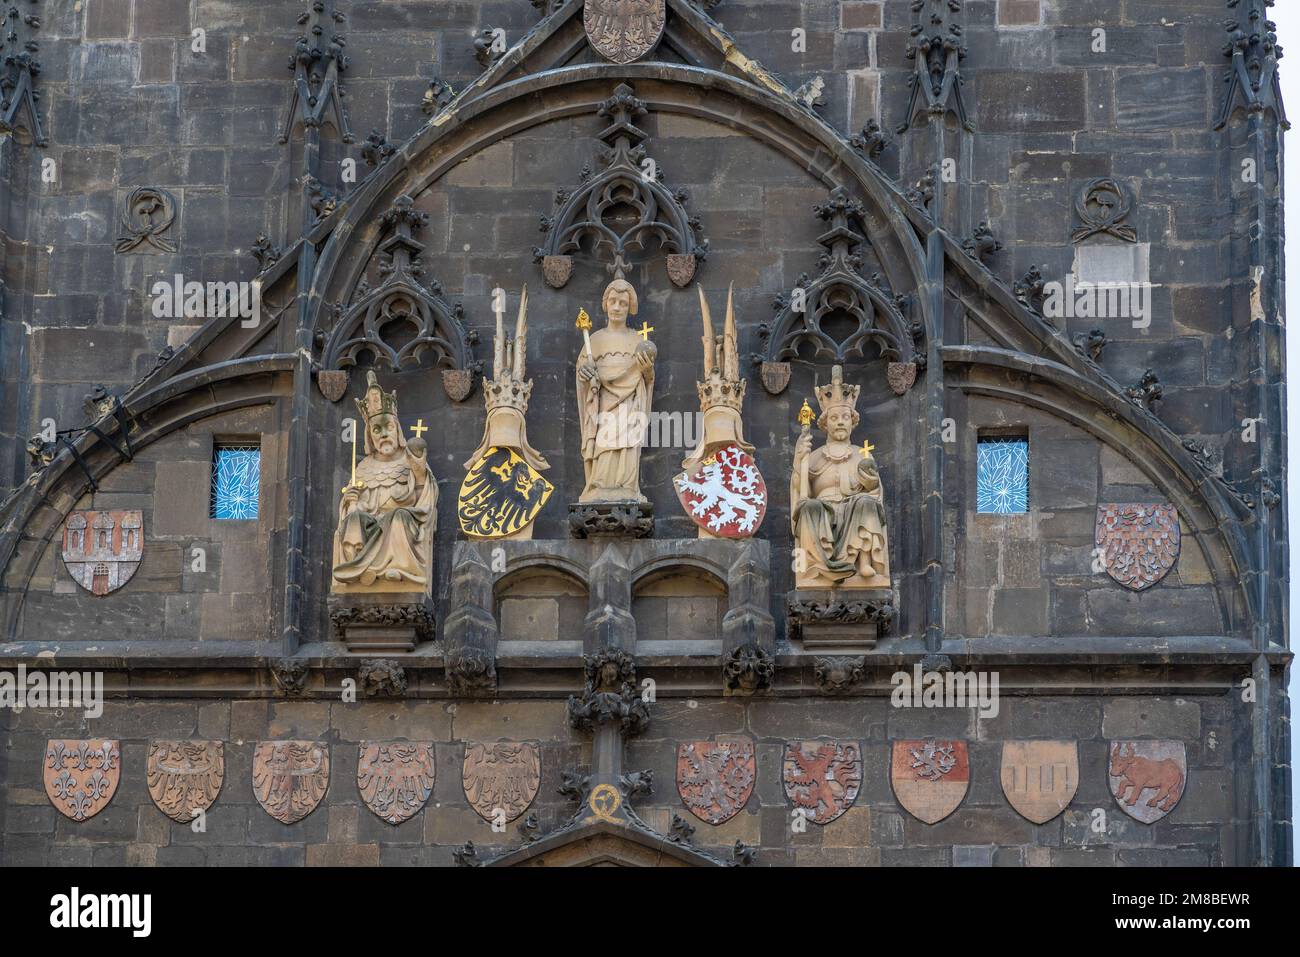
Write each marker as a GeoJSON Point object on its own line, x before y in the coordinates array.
{"type": "Point", "coordinates": [726, 496]}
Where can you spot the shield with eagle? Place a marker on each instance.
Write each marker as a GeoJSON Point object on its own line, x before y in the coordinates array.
{"type": "Point", "coordinates": [725, 496]}
{"type": "Point", "coordinates": [624, 30]}
{"type": "Point", "coordinates": [1138, 544]}
{"type": "Point", "coordinates": [184, 777]}
{"type": "Point", "coordinates": [501, 495]}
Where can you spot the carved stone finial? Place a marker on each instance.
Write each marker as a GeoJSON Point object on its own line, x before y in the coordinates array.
{"type": "Point", "coordinates": [872, 141]}
{"type": "Point", "coordinates": [376, 149]}
{"type": "Point", "coordinates": [1253, 83]}
{"type": "Point", "coordinates": [18, 71]}
{"type": "Point", "coordinates": [936, 81]}
{"type": "Point", "coordinates": [317, 64]}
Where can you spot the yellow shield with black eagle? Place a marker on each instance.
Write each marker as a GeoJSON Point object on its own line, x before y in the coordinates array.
{"type": "Point", "coordinates": [501, 495]}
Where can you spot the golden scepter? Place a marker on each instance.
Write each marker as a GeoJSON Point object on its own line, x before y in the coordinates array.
{"type": "Point", "coordinates": [805, 426]}
{"type": "Point", "coordinates": [584, 323]}
{"type": "Point", "coordinates": [353, 480]}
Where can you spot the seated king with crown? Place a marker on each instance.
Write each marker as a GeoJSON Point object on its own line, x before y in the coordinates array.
{"type": "Point", "coordinates": [837, 505]}
{"type": "Point", "coordinates": [389, 511]}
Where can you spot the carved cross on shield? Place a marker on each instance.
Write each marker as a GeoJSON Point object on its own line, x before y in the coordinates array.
{"type": "Point", "coordinates": [395, 778]}
{"type": "Point", "coordinates": [184, 777]}
{"type": "Point", "coordinates": [81, 777]}
{"type": "Point", "coordinates": [624, 30]}
{"type": "Point", "coordinates": [1039, 778]}
{"type": "Point", "coordinates": [715, 778]}
{"type": "Point", "coordinates": [1138, 543]}
{"type": "Point", "coordinates": [501, 778]}
{"type": "Point", "coordinates": [1147, 778]}
{"type": "Point", "coordinates": [290, 778]}
{"type": "Point", "coordinates": [822, 777]}
{"type": "Point", "coordinates": [930, 777]}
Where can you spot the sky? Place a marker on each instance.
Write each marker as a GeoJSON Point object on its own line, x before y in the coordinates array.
{"type": "Point", "coordinates": [1287, 17]}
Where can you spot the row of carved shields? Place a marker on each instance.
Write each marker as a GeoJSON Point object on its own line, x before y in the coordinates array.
{"type": "Point", "coordinates": [290, 778]}
{"type": "Point", "coordinates": [930, 777]}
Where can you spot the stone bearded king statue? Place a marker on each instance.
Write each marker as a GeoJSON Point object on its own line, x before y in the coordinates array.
{"type": "Point", "coordinates": [389, 511]}
{"type": "Point", "coordinates": [616, 375]}
{"type": "Point", "coordinates": [837, 505]}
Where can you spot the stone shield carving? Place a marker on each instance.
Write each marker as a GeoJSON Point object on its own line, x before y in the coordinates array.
{"type": "Point", "coordinates": [458, 383]}
{"type": "Point", "coordinates": [1139, 543]}
{"type": "Point", "coordinates": [1040, 778]}
{"type": "Point", "coordinates": [333, 383]}
{"type": "Point", "coordinates": [395, 778]}
{"type": "Point", "coordinates": [822, 777]}
{"type": "Point", "coordinates": [624, 30]}
{"type": "Point", "coordinates": [715, 778]}
{"type": "Point", "coordinates": [81, 777]}
{"type": "Point", "coordinates": [290, 778]}
{"type": "Point", "coordinates": [557, 270]}
{"type": "Point", "coordinates": [901, 376]}
{"type": "Point", "coordinates": [501, 495]}
{"type": "Point", "coordinates": [102, 549]}
{"type": "Point", "coordinates": [775, 376]}
{"type": "Point", "coordinates": [930, 777]}
{"type": "Point", "coordinates": [726, 495]}
{"type": "Point", "coordinates": [681, 268]}
{"type": "Point", "coordinates": [184, 777]}
{"type": "Point", "coordinates": [1147, 777]}
{"type": "Point", "coordinates": [501, 777]}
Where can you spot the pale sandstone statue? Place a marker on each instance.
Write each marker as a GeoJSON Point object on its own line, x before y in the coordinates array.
{"type": "Point", "coordinates": [837, 505]}
{"type": "Point", "coordinates": [389, 511]}
{"type": "Point", "coordinates": [722, 392]}
{"type": "Point", "coordinates": [616, 375]}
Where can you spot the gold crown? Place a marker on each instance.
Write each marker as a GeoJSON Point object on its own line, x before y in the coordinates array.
{"type": "Point", "coordinates": [837, 393]}
{"type": "Point", "coordinates": [507, 392]}
{"type": "Point", "coordinates": [376, 401]}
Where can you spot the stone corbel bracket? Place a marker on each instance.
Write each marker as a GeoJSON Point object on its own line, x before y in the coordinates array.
{"type": "Point", "coordinates": [579, 222]}
{"type": "Point", "coordinates": [318, 63]}
{"type": "Point", "coordinates": [470, 633]}
{"type": "Point", "coordinates": [439, 326]}
{"type": "Point", "coordinates": [841, 290]}
{"type": "Point", "coordinates": [19, 68]}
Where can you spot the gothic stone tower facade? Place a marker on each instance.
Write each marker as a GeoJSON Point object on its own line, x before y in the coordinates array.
{"type": "Point", "coordinates": [1041, 240]}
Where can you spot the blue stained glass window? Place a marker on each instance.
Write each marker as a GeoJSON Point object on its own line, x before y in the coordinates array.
{"type": "Point", "coordinates": [1002, 476]}
{"type": "Point", "coordinates": [236, 478]}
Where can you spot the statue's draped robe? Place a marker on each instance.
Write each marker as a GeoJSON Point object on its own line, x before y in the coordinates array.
{"type": "Point", "coordinates": [388, 525]}
{"type": "Point", "coordinates": [840, 527]}
{"type": "Point", "coordinates": [614, 413]}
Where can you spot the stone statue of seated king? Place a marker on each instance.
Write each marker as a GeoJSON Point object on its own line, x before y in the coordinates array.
{"type": "Point", "coordinates": [389, 511]}
{"type": "Point", "coordinates": [837, 504]}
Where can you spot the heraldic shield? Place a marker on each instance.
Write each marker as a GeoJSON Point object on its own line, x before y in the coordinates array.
{"type": "Point", "coordinates": [184, 777]}
{"type": "Point", "coordinates": [930, 777]}
{"type": "Point", "coordinates": [1138, 543]}
{"type": "Point", "coordinates": [395, 778]}
{"type": "Point", "coordinates": [501, 778]}
{"type": "Point", "coordinates": [1147, 777]}
{"type": "Point", "coordinates": [81, 777]}
{"type": "Point", "coordinates": [624, 30]}
{"type": "Point", "coordinates": [1040, 778]}
{"type": "Point", "coordinates": [822, 777]}
{"type": "Point", "coordinates": [501, 494]}
{"type": "Point", "coordinates": [103, 549]}
{"type": "Point", "coordinates": [726, 496]}
{"type": "Point", "coordinates": [290, 778]}
{"type": "Point", "coordinates": [715, 778]}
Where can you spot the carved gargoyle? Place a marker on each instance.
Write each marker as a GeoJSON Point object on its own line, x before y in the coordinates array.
{"type": "Point", "coordinates": [982, 244]}
{"type": "Point", "coordinates": [835, 675]}
{"type": "Point", "coordinates": [290, 675]}
{"type": "Point", "coordinates": [748, 668]}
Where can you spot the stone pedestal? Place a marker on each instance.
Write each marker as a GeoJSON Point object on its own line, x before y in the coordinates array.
{"type": "Point", "coordinates": [839, 621]}
{"type": "Point", "coordinates": [383, 623]}
{"type": "Point", "coordinates": [611, 520]}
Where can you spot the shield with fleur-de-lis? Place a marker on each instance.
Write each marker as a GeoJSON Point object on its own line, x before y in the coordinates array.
{"type": "Point", "coordinates": [81, 777]}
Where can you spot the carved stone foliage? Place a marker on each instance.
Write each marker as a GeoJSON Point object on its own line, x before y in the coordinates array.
{"type": "Point", "coordinates": [471, 671]}
{"type": "Point", "coordinates": [185, 777]}
{"type": "Point", "coordinates": [290, 777]}
{"type": "Point", "coordinates": [715, 778]}
{"type": "Point", "coordinates": [437, 97]}
{"type": "Point", "coordinates": [147, 214]}
{"type": "Point", "coordinates": [930, 777]}
{"type": "Point", "coordinates": [803, 611]}
{"type": "Point", "coordinates": [937, 53]}
{"type": "Point", "coordinates": [501, 779]}
{"type": "Point", "coordinates": [1147, 778]}
{"type": "Point", "coordinates": [1148, 392]}
{"type": "Point", "coordinates": [81, 777]}
{"type": "Point", "coordinates": [317, 64]}
{"type": "Point", "coordinates": [822, 777]}
{"type": "Point", "coordinates": [748, 668]}
{"type": "Point", "coordinates": [290, 675]}
{"type": "Point", "coordinates": [609, 695]}
{"type": "Point", "coordinates": [402, 319]}
{"type": "Point", "coordinates": [395, 778]}
{"type": "Point", "coordinates": [618, 520]}
{"type": "Point", "coordinates": [103, 549]}
{"type": "Point", "coordinates": [838, 674]}
{"type": "Point", "coordinates": [1102, 205]}
{"type": "Point", "coordinates": [840, 294]}
{"type": "Point", "coordinates": [267, 255]}
{"type": "Point", "coordinates": [982, 243]}
{"type": "Point", "coordinates": [1253, 48]}
{"type": "Point", "coordinates": [380, 678]}
{"type": "Point", "coordinates": [871, 142]}
{"type": "Point", "coordinates": [624, 31]}
{"type": "Point", "coordinates": [1138, 543]}
{"type": "Point", "coordinates": [19, 21]}
{"type": "Point", "coordinates": [616, 210]}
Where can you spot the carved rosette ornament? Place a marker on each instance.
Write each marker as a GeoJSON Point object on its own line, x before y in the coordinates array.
{"type": "Point", "coordinates": [185, 777]}
{"type": "Point", "coordinates": [1138, 543]}
{"type": "Point", "coordinates": [501, 779]}
{"type": "Point", "coordinates": [715, 778]}
{"type": "Point", "coordinates": [81, 777]}
{"type": "Point", "coordinates": [624, 31]}
{"type": "Point", "coordinates": [594, 216]}
{"type": "Point", "coordinates": [822, 777]}
{"type": "Point", "coordinates": [290, 778]}
{"type": "Point", "coordinates": [609, 695]}
{"type": "Point", "coordinates": [395, 778]}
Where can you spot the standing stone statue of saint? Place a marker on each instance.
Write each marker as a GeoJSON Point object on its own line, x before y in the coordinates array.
{"type": "Point", "coordinates": [837, 504]}
{"type": "Point", "coordinates": [389, 511]}
{"type": "Point", "coordinates": [616, 375]}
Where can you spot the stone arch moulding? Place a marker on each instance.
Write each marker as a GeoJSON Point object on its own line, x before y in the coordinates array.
{"type": "Point", "coordinates": [1218, 521]}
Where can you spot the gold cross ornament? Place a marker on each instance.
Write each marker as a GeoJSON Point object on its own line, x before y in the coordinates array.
{"type": "Point", "coordinates": [645, 330]}
{"type": "Point", "coordinates": [867, 449]}
{"type": "Point", "coordinates": [419, 428]}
